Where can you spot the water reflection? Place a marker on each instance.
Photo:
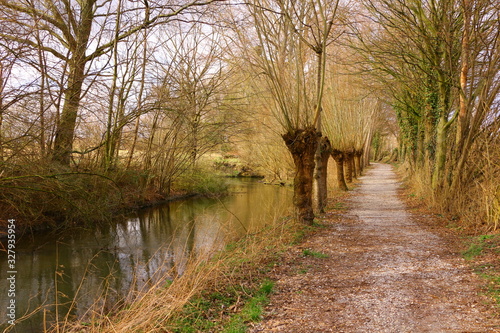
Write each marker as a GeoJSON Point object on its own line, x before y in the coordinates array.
{"type": "Point", "coordinates": [115, 263]}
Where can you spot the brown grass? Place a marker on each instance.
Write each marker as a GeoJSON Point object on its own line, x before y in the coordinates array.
{"type": "Point", "coordinates": [475, 205]}
{"type": "Point", "coordinates": [157, 309]}
{"type": "Point", "coordinates": [478, 203]}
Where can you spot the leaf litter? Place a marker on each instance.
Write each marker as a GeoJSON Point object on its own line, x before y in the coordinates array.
{"type": "Point", "coordinates": [386, 268]}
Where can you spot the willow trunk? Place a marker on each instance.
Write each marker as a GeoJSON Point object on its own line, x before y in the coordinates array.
{"type": "Point", "coordinates": [320, 185]}
{"type": "Point", "coordinates": [302, 144]}
{"type": "Point", "coordinates": [349, 166]}
{"type": "Point", "coordinates": [358, 166]}
{"type": "Point", "coordinates": [339, 158]}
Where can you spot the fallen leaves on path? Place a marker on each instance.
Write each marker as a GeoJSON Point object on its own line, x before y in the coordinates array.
{"type": "Point", "coordinates": [384, 268]}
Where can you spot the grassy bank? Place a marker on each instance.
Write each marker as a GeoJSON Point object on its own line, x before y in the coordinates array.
{"type": "Point", "coordinates": [481, 242]}
{"type": "Point", "coordinates": [226, 291]}
{"type": "Point", "coordinates": [48, 197]}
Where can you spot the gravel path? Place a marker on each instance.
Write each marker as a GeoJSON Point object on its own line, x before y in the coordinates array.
{"type": "Point", "coordinates": [388, 270]}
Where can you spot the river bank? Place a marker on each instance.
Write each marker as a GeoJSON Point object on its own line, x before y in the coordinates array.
{"type": "Point", "coordinates": [224, 293]}
{"type": "Point", "coordinates": [45, 199]}
{"type": "Point", "coordinates": [303, 279]}
{"type": "Point", "coordinates": [258, 272]}
{"type": "Point", "coordinates": [122, 260]}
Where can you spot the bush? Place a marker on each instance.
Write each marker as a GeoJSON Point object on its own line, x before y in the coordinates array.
{"type": "Point", "coordinates": [59, 198]}
{"type": "Point", "coordinates": [203, 182]}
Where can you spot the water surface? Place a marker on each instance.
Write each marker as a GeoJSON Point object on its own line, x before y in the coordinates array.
{"type": "Point", "coordinates": [107, 265]}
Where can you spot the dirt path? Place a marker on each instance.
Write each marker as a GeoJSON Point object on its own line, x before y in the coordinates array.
{"type": "Point", "coordinates": [386, 271]}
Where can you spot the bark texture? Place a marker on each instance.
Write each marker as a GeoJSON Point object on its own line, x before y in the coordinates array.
{"type": "Point", "coordinates": [358, 166]}
{"type": "Point", "coordinates": [349, 164]}
{"type": "Point", "coordinates": [302, 144]}
{"type": "Point", "coordinates": [63, 142]}
{"type": "Point", "coordinates": [320, 184]}
{"type": "Point", "coordinates": [339, 158]}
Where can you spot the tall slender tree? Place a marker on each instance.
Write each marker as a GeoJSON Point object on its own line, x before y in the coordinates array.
{"type": "Point", "coordinates": [77, 38]}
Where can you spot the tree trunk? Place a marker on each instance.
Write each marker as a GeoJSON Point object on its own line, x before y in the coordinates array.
{"type": "Point", "coordinates": [463, 137]}
{"type": "Point", "coordinates": [1, 133]}
{"type": "Point", "coordinates": [440, 161]}
{"type": "Point", "coordinates": [41, 61]}
{"type": "Point", "coordinates": [358, 166]}
{"type": "Point", "coordinates": [349, 165]}
{"type": "Point", "coordinates": [152, 137]}
{"type": "Point", "coordinates": [352, 166]}
{"type": "Point", "coordinates": [367, 147]}
{"type": "Point", "coordinates": [464, 113]}
{"type": "Point", "coordinates": [420, 145]}
{"type": "Point", "coordinates": [134, 141]}
{"type": "Point", "coordinates": [1, 113]}
{"type": "Point", "coordinates": [110, 144]}
{"type": "Point", "coordinates": [320, 185]}
{"type": "Point", "coordinates": [366, 156]}
{"type": "Point", "coordinates": [339, 158]}
{"type": "Point", "coordinates": [194, 140]}
{"type": "Point", "coordinates": [63, 142]}
{"type": "Point", "coordinates": [139, 98]}
{"type": "Point", "coordinates": [302, 144]}
{"type": "Point", "coordinates": [438, 175]}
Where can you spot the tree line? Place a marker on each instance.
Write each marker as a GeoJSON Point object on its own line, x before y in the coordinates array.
{"type": "Point", "coordinates": [149, 87]}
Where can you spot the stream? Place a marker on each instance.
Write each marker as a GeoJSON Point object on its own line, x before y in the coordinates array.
{"type": "Point", "coordinates": [107, 265]}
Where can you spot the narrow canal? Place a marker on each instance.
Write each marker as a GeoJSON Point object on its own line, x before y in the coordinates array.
{"type": "Point", "coordinates": [109, 265]}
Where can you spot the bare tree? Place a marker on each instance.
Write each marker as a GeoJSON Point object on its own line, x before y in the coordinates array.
{"type": "Point", "coordinates": [293, 37]}
{"type": "Point", "coordinates": [11, 56]}
{"type": "Point", "coordinates": [442, 58]}
{"type": "Point", "coordinates": [418, 40]}
{"type": "Point", "coordinates": [76, 36]}
{"type": "Point", "coordinates": [351, 114]}
{"type": "Point", "coordinates": [479, 84]}
{"type": "Point", "coordinates": [195, 75]}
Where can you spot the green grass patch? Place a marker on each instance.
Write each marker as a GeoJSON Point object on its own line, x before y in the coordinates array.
{"type": "Point", "coordinates": [204, 182]}
{"type": "Point", "coordinates": [302, 271]}
{"type": "Point", "coordinates": [311, 253]}
{"type": "Point", "coordinates": [304, 230]}
{"type": "Point", "coordinates": [227, 311]}
{"type": "Point", "coordinates": [473, 251]}
{"type": "Point", "coordinates": [339, 206]}
{"type": "Point", "coordinates": [483, 251]}
{"type": "Point", "coordinates": [493, 287]}
{"type": "Point", "coordinates": [492, 278]}
{"type": "Point", "coordinates": [252, 310]}
{"type": "Point", "coordinates": [479, 244]}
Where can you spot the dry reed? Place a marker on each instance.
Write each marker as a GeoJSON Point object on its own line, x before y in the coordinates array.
{"type": "Point", "coordinates": [157, 309]}
{"type": "Point", "coordinates": [475, 204]}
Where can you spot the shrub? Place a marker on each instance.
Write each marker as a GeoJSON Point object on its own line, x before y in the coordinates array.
{"type": "Point", "coordinates": [203, 182]}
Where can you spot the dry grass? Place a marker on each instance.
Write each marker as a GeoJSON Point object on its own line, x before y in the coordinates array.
{"type": "Point", "coordinates": [478, 203]}
{"type": "Point", "coordinates": [158, 309]}
{"type": "Point", "coordinates": [41, 195]}
{"type": "Point", "coordinates": [475, 204]}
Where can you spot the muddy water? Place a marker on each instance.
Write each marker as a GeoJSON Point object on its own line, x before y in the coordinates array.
{"type": "Point", "coordinates": [127, 257]}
